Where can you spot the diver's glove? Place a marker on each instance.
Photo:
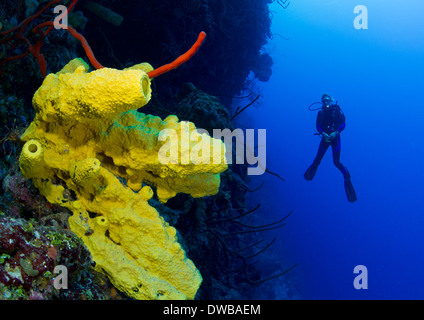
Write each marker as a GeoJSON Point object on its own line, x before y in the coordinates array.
{"type": "Point", "coordinates": [332, 135]}
{"type": "Point", "coordinates": [325, 137]}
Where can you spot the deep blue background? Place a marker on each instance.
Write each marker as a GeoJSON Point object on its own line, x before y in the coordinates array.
{"type": "Point", "coordinates": [377, 75]}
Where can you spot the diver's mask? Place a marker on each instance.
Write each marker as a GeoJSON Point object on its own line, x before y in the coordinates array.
{"type": "Point", "coordinates": [327, 101]}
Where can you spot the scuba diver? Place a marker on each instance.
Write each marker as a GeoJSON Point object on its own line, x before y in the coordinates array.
{"type": "Point", "coordinates": [330, 122]}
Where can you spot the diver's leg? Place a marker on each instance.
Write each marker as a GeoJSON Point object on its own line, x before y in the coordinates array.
{"type": "Point", "coordinates": [350, 191]}
{"type": "Point", "coordinates": [336, 146]}
{"type": "Point", "coordinates": [310, 173]}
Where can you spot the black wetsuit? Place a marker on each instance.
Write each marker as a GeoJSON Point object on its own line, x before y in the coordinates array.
{"type": "Point", "coordinates": [331, 119]}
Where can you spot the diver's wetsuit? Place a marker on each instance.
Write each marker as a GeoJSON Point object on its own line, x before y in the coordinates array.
{"type": "Point", "coordinates": [331, 119]}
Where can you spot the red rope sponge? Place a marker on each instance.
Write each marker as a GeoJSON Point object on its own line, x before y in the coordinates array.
{"type": "Point", "coordinates": [35, 49]}
{"type": "Point", "coordinates": [86, 47]}
{"type": "Point", "coordinates": [180, 60]}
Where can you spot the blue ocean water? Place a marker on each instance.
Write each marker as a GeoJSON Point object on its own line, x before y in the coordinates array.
{"type": "Point", "coordinates": [377, 76]}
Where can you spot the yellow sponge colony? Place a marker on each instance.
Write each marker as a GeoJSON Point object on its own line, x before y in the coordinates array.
{"type": "Point", "coordinates": [89, 150]}
{"type": "Point", "coordinates": [73, 94]}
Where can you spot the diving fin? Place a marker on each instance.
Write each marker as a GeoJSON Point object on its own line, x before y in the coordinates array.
{"type": "Point", "coordinates": [350, 191]}
{"type": "Point", "coordinates": [310, 173]}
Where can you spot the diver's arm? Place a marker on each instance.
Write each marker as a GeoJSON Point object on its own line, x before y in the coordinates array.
{"type": "Point", "coordinates": [342, 121]}
{"type": "Point", "coordinates": [333, 134]}
{"type": "Point", "coordinates": [319, 122]}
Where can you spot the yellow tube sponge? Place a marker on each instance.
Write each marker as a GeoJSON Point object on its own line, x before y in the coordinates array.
{"type": "Point", "coordinates": [31, 160]}
{"type": "Point", "coordinates": [89, 150]}
{"type": "Point", "coordinates": [82, 96]}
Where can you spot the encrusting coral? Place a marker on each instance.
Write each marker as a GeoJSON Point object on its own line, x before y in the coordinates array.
{"type": "Point", "coordinates": [89, 150]}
